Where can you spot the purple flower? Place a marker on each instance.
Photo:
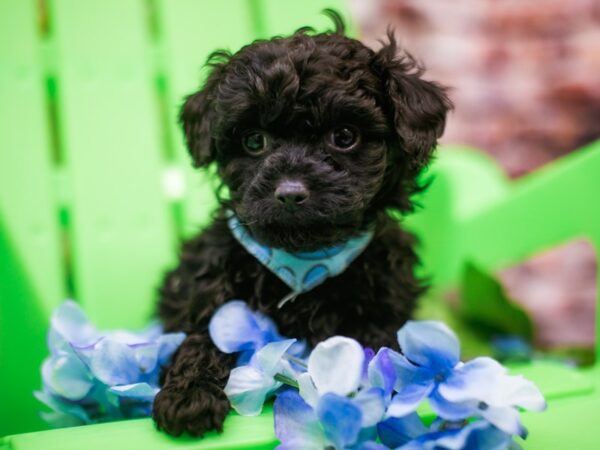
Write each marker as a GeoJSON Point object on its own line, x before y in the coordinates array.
{"type": "Point", "coordinates": [92, 376]}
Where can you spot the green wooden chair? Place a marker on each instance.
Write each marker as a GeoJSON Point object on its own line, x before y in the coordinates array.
{"type": "Point", "coordinates": [96, 191]}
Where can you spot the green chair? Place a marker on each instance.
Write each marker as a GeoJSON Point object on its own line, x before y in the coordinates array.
{"type": "Point", "coordinates": [96, 191]}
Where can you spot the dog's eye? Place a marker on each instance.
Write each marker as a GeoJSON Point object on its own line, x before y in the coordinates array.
{"type": "Point", "coordinates": [344, 138]}
{"type": "Point", "coordinates": [254, 142]}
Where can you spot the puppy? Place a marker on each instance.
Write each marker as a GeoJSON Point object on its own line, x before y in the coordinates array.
{"type": "Point", "coordinates": [316, 137]}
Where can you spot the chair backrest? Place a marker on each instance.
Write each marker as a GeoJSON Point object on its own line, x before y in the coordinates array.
{"type": "Point", "coordinates": [96, 188]}
{"type": "Point", "coordinates": [473, 213]}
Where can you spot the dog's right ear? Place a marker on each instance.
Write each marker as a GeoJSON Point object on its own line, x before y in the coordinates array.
{"type": "Point", "coordinates": [197, 115]}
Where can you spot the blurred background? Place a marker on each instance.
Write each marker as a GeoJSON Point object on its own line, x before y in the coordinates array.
{"type": "Point", "coordinates": [524, 80]}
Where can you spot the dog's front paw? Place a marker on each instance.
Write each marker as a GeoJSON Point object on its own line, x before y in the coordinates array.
{"type": "Point", "coordinates": [194, 411]}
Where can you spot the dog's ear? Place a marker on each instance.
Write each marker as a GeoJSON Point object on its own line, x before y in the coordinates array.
{"type": "Point", "coordinates": [197, 115]}
{"type": "Point", "coordinates": [417, 108]}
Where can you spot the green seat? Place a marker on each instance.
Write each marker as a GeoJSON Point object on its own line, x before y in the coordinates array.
{"type": "Point", "coordinates": [96, 191]}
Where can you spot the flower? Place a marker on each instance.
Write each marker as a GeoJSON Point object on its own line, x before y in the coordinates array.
{"type": "Point", "coordinates": [248, 386]}
{"type": "Point", "coordinates": [479, 435]}
{"type": "Point", "coordinates": [484, 388]}
{"type": "Point", "coordinates": [409, 433]}
{"type": "Point", "coordinates": [430, 367]}
{"type": "Point", "coordinates": [336, 366]}
{"type": "Point", "coordinates": [335, 423]}
{"type": "Point", "coordinates": [92, 376]}
{"type": "Point", "coordinates": [234, 328]}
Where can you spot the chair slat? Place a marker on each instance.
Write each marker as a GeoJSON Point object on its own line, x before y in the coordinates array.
{"type": "Point", "coordinates": [121, 233]}
{"type": "Point", "coordinates": [190, 31]}
{"type": "Point", "coordinates": [31, 274]}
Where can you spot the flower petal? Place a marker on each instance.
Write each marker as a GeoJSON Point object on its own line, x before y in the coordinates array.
{"type": "Point", "coordinates": [114, 363]}
{"type": "Point", "coordinates": [408, 399]}
{"type": "Point", "coordinates": [146, 355]}
{"type": "Point", "coordinates": [516, 390]}
{"type": "Point", "coordinates": [451, 410]}
{"type": "Point", "coordinates": [138, 391]}
{"type": "Point", "coordinates": [406, 373]}
{"type": "Point", "coordinates": [473, 380]}
{"type": "Point", "coordinates": [485, 380]}
{"type": "Point", "coordinates": [64, 408]}
{"type": "Point", "coordinates": [67, 376]}
{"type": "Point", "coordinates": [268, 358]}
{"type": "Point", "coordinates": [397, 431]}
{"type": "Point", "coordinates": [307, 389]}
{"type": "Point", "coordinates": [167, 345]}
{"type": "Point", "coordinates": [247, 389]}
{"type": "Point", "coordinates": [505, 418]}
{"type": "Point", "coordinates": [381, 371]}
{"type": "Point", "coordinates": [340, 418]}
{"type": "Point", "coordinates": [336, 365]}
{"type": "Point", "coordinates": [429, 344]}
{"type": "Point", "coordinates": [296, 423]}
{"type": "Point", "coordinates": [372, 404]}
{"type": "Point", "coordinates": [478, 435]}
{"type": "Point", "coordinates": [370, 445]}
{"type": "Point", "coordinates": [234, 327]}
{"type": "Point", "coordinates": [70, 323]}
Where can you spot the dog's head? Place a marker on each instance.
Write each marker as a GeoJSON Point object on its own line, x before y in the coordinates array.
{"type": "Point", "coordinates": [314, 134]}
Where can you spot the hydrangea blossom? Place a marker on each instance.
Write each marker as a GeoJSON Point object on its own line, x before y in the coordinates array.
{"type": "Point", "coordinates": [348, 397]}
{"type": "Point", "coordinates": [336, 423]}
{"type": "Point", "coordinates": [429, 366]}
{"type": "Point", "coordinates": [248, 386]}
{"type": "Point", "coordinates": [235, 328]}
{"type": "Point", "coordinates": [93, 376]}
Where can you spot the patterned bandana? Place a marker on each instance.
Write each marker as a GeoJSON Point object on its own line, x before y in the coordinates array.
{"type": "Point", "coordinates": [301, 271]}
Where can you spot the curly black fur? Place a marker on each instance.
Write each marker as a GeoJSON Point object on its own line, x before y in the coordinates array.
{"type": "Point", "coordinates": [295, 90]}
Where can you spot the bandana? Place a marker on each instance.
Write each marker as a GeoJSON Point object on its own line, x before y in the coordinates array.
{"type": "Point", "coordinates": [301, 271]}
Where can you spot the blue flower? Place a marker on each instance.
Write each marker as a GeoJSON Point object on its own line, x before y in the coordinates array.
{"type": "Point", "coordinates": [430, 351]}
{"type": "Point", "coordinates": [336, 422]}
{"type": "Point", "coordinates": [334, 366]}
{"type": "Point", "coordinates": [409, 433]}
{"type": "Point", "coordinates": [479, 435]}
{"type": "Point", "coordinates": [430, 368]}
{"type": "Point", "coordinates": [248, 386]}
{"type": "Point", "coordinates": [234, 328]}
{"type": "Point", "coordinates": [484, 389]}
{"type": "Point", "coordinates": [92, 376]}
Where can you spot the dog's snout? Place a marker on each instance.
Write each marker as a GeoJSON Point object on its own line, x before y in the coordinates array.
{"type": "Point", "coordinates": [291, 193]}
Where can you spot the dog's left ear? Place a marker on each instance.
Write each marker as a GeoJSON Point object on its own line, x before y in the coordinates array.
{"type": "Point", "coordinates": [197, 115]}
{"type": "Point", "coordinates": [417, 107]}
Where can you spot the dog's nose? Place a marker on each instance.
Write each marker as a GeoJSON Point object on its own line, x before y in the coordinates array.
{"type": "Point", "coordinates": [291, 193]}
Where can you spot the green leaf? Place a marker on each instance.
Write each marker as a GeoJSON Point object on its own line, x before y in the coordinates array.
{"type": "Point", "coordinates": [486, 305]}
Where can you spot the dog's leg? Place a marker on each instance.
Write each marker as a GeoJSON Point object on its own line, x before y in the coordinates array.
{"type": "Point", "coordinates": [191, 398]}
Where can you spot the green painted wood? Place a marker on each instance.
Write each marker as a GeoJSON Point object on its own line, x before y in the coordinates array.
{"type": "Point", "coordinates": [462, 183]}
{"type": "Point", "coordinates": [547, 208]}
{"type": "Point", "coordinates": [121, 235]}
{"type": "Point", "coordinates": [26, 172]}
{"type": "Point", "coordinates": [189, 32]}
{"type": "Point", "coordinates": [31, 275]}
{"type": "Point", "coordinates": [240, 433]}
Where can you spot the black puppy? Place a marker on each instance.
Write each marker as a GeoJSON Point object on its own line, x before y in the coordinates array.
{"type": "Point", "coordinates": [316, 137]}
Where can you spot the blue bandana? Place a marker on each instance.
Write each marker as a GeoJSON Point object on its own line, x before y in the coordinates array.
{"type": "Point", "coordinates": [301, 271]}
